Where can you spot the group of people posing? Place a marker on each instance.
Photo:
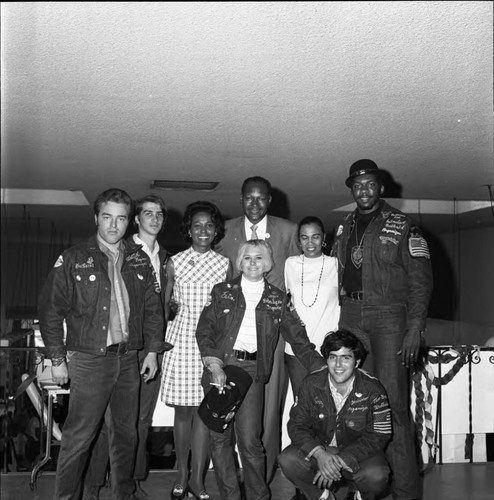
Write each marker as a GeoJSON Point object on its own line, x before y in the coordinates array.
{"type": "Point", "coordinates": [256, 292]}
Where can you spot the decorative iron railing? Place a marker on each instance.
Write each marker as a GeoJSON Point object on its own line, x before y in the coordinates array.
{"type": "Point", "coordinates": [436, 402]}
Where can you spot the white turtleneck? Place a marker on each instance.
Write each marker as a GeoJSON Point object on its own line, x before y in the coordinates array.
{"type": "Point", "coordinates": [247, 334]}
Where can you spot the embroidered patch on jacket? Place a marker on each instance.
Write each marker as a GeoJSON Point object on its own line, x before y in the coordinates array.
{"type": "Point", "coordinates": [227, 295]}
{"type": "Point", "coordinates": [417, 246]}
{"type": "Point", "coordinates": [85, 265]}
{"type": "Point", "coordinates": [382, 421]}
{"type": "Point", "coordinates": [137, 259]}
{"type": "Point", "coordinates": [272, 303]}
{"type": "Point", "coordinates": [59, 262]}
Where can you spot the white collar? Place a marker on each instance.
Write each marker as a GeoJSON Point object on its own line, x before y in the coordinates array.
{"type": "Point", "coordinates": [261, 229]}
{"type": "Point", "coordinates": [145, 247]}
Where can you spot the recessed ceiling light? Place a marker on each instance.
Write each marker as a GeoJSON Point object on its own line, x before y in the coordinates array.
{"type": "Point", "coordinates": [12, 196]}
{"type": "Point", "coordinates": [185, 185]}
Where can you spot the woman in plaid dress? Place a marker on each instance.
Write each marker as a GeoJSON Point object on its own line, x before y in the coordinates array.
{"type": "Point", "coordinates": [191, 276]}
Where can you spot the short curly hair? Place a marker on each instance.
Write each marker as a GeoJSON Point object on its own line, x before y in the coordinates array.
{"type": "Point", "coordinates": [202, 206]}
{"type": "Point", "coordinates": [334, 341]}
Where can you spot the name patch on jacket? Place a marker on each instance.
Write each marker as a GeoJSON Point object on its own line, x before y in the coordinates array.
{"type": "Point", "coordinates": [395, 225]}
{"type": "Point", "coordinates": [137, 260]}
{"type": "Point", "coordinates": [85, 265]}
{"type": "Point", "coordinates": [273, 303]}
{"type": "Point", "coordinates": [227, 295]}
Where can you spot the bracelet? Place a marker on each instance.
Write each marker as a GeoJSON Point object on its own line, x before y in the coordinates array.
{"type": "Point", "coordinates": [57, 361]}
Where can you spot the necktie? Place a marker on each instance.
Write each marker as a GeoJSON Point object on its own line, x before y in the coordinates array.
{"type": "Point", "coordinates": [253, 235]}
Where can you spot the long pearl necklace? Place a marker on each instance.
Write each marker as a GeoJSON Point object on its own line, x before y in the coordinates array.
{"type": "Point", "coordinates": [318, 284]}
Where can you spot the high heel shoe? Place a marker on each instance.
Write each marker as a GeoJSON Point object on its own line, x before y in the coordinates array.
{"type": "Point", "coordinates": [203, 495]}
{"type": "Point", "coordinates": [178, 492]}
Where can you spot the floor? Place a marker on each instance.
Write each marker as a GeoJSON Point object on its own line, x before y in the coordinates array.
{"type": "Point", "coordinates": [443, 482]}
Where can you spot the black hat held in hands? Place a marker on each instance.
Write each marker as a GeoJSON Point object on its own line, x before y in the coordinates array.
{"type": "Point", "coordinates": [217, 410]}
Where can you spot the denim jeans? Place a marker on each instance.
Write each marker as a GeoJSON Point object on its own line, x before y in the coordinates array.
{"type": "Point", "coordinates": [247, 426]}
{"type": "Point", "coordinates": [371, 479]}
{"type": "Point", "coordinates": [148, 397]}
{"type": "Point", "coordinates": [97, 383]}
{"type": "Point", "coordinates": [382, 329]}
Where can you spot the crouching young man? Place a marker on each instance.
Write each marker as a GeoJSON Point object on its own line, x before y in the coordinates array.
{"type": "Point", "coordinates": [339, 426]}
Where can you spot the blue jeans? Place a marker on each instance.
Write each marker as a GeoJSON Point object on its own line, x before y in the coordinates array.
{"type": "Point", "coordinates": [97, 383]}
{"type": "Point", "coordinates": [371, 479]}
{"type": "Point", "coordinates": [247, 426]}
{"type": "Point", "coordinates": [148, 397]}
{"type": "Point", "coordinates": [382, 329]}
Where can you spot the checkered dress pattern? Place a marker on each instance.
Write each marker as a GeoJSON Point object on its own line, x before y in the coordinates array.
{"type": "Point", "coordinates": [195, 276]}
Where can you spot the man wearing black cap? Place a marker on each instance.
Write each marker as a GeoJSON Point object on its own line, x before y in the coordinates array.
{"type": "Point", "coordinates": [385, 283]}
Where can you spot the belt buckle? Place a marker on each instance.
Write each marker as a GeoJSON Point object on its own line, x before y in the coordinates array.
{"type": "Point", "coordinates": [240, 355]}
{"type": "Point", "coordinates": [123, 348]}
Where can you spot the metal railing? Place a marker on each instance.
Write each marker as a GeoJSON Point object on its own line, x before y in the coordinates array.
{"type": "Point", "coordinates": [449, 361]}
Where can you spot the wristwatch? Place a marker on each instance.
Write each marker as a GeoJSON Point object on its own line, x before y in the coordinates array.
{"type": "Point", "coordinates": [57, 361]}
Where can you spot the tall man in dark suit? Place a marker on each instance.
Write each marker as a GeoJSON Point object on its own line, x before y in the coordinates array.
{"type": "Point", "coordinates": [281, 234]}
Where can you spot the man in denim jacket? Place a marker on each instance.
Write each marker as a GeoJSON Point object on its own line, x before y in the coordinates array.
{"type": "Point", "coordinates": [106, 292]}
{"type": "Point", "coordinates": [339, 425]}
{"type": "Point", "coordinates": [385, 282]}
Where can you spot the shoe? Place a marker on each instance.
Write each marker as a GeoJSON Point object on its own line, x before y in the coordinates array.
{"type": "Point", "coordinates": [203, 495]}
{"type": "Point", "coordinates": [139, 493]}
{"type": "Point", "coordinates": [178, 492]}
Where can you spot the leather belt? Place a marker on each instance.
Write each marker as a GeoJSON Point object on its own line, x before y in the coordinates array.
{"type": "Point", "coordinates": [244, 355]}
{"type": "Point", "coordinates": [122, 348]}
{"type": "Point", "coordinates": [355, 295]}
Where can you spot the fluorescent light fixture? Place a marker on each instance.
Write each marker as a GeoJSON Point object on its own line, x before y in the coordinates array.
{"type": "Point", "coordinates": [185, 185]}
{"type": "Point", "coordinates": [437, 207]}
{"type": "Point", "coordinates": [43, 197]}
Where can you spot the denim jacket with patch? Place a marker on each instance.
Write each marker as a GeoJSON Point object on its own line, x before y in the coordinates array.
{"type": "Point", "coordinates": [395, 270]}
{"type": "Point", "coordinates": [221, 318]}
{"type": "Point", "coordinates": [78, 290]}
{"type": "Point", "coordinates": [362, 427]}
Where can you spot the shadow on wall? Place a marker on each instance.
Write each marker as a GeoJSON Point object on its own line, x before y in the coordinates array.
{"type": "Point", "coordinates": [444, 300]}
{"type": "Point", "coordinates": [279, 204]}
{"type": "Point", "coordinates": [170, 237]}
{"type": "Point", "coordinates": [392, 189]}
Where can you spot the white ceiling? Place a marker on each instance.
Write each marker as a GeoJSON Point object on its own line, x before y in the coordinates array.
{"type": "Point", "coordinates": [118, 94]}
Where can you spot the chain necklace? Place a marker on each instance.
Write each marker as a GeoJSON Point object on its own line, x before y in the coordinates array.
{"type": "Point", "coordinates": [318, 284]}
{"type": "Point", "coordinates": [357, 254]}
